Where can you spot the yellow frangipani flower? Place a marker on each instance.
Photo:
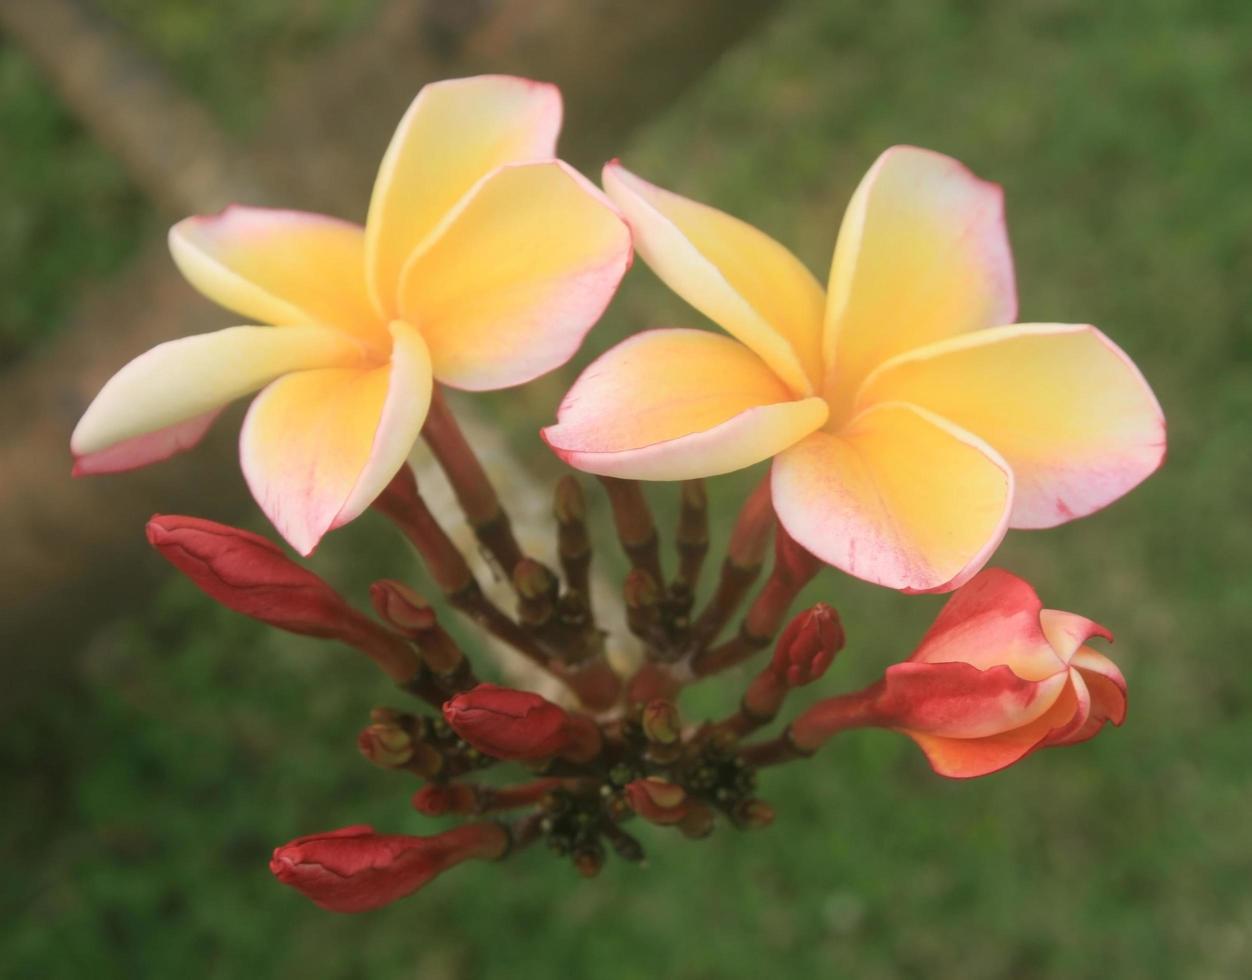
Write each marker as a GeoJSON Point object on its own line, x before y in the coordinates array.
{"type": "Point", "coordinates": [482, 264]}
{"type": "Point", "coordinates": [910, 420]}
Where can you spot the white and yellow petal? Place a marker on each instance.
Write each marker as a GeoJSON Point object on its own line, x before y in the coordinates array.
{"type": "Point", "coordinates": [676, 405]}
{"type": "Point", "coordinates": [317, 447]}
{"type": "Point", "coordinates": [454, 133]}
{"type": "Point", "coordinates": [899, 497]}
{"type": "Point", "coordinates": [518, 275]}
{"type": "Point", "coordinates": [1062, 403]}
{"type": "Point", "coordinates": [151, 447]}
{"type": "Point", "coordinates": [280, 267]}
{"type": "Point", "coordinates": [922, 255]}
{"type": "Point", "coordinates": [170, 389]}
{"type": "Point", "coordinates": [737, 276]}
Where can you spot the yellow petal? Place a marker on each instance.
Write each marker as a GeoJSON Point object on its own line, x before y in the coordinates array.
{"type": "Point", "coordinates": [183, 379]}
{"type": "Point", "coordinates": [453, 135]}
{"type": "Point", "coordinates": [675, 405]}
{"type": "Point", "coordinates": [922, 255]}
{"type": "Point", "coordinates": [1062, 403]}
{"type": "Point", "coordinates": [280, 267]}
{"type": "Point", "coordinates": [738, 277]}
{"type": "Point", "coordinates": [900, 497]}
{"type": "Point", "coordinates": [318, 446]}
{"type": "Point", "coordinates": [517, 277]}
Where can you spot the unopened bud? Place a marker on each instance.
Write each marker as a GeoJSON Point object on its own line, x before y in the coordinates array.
{"type": "Point", "coordinates": [355, 869]}
{"type": "Point", "coordinates": [247, 573]}
{"type": "Point", "coordinates": [386, 745]}
{"type": "Point", "coordinates": [796, 564]}
{"type": "Point", "coordinates": [698, 821]}
{"type": "Point", "coordinates": [661, 722]}
{"type": "Point", "coordinates": [640, 590]}
{"type": "Point", "coordinates": [807, 646]}
{"type": "Point", "coordinates": [437, 799]}
{"type": "Point", "coordinates": [589, 859]}
{"type": "Point", "coordinates": [520, 726]}
{"type": "Point", "coordinates": [533, 580]}
{"type": "Point", "coordinates": [754, 814]}
{"type": "Point", "coordinates": [401, 607]}
{"type": "Point", "coordinates": [657, 800]}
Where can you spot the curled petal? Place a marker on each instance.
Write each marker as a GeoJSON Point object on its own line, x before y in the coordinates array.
{"type": "Point", "coordinates": [1068, 632]}
{"type": "Point", "coordinates": [516, 277]}
{"type": "Point", "coordinates": [958, 700]}
{"type": "Point", "coordinates": [1061, 403]}
{"type": "Point", "coordinates": [992, 619]}
{"type": "Point", "coordinates": [280, 267]}
{"type": "Point", "coordinates": [170, 393]}
{"type": "Point", "coordinates": [133, 453]}
{"type": "Point", "coordinates": [922, 255]}
{"type": "Point", "coordinates": [738, 277]}
{"type": "Point", "coordinates": [965, 758]}
{"type": "Point", "coordinates": [1108, 691]}
{"type": "Point", "coordinates": [899, 497]}
{"type": "Point", "coordinates": [317, 447]}
{"type": "Point", "coordinates": [678, 404]}
{"type": "Point", "coordinates": [454, 134]}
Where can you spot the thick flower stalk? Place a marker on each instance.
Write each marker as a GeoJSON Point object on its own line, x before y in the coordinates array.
{"type": "Point", "coordinates": [482, 264]}
{"type": "Point", "coordinates": [911, 421]}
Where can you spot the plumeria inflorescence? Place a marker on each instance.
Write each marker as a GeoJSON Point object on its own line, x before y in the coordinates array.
{"type": "Point", "coordinates": [909, 419]}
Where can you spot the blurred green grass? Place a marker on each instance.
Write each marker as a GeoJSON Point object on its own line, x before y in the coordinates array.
{"type": "Point", "coordinates": [148, 797]}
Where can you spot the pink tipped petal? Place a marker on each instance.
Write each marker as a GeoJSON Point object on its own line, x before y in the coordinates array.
{"type": "Point", "coordinates": [1078, 723]}
{"type": "Point", "coordinates": [1062, 403]}
{"type": "Point", "coordinates": [678, 404]}
{"type": "Point", "coordinates": [150, 448]}
{"type": "Point", "coordinates": [1106, 683]}
{"type": "Point", "coordinates": [1067, 632]}
{"type": "Point", "coordinates": [899, 497]}
{"type": "Point", "coordinates": [515, 279]}
{"type": "Point", "coordinates": [182, 380]}
{"type": "Point", "coordinates": [279, 267]}
{"type": "Point", "coordinates": [922, 255]}
{"type": "Point", "coordinates": [966, 758]}
{"type": "Point", "coordinates": [958, 700]}
{"type": "Point", "coordinates": [318, 446]}
{"type": "Point", "coordinates": [739, 278]}
{"type": "Point", "coordinates": [454, 133]}
{"type": "Point", "coordinates": [992, 619]}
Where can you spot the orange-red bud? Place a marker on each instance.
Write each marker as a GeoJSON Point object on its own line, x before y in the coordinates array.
{"type": "Point", "coordinates": [520, 726]}
{"type": "Point", "coordinates": [355, 869]}
{"type": "Point", "coordinates": [657, 800]}
{"type": "Point", "coordinates": [807, 646]}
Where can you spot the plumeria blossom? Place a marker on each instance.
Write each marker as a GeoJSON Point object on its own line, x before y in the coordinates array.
{"type": "Point", "coordinates": [995, 678]}
{"type": "Point", "coordinates": [482, 264]}
{"type": "Point", "coordinates": [910, 420]}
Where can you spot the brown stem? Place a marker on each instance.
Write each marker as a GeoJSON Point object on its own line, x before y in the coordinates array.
{"type": "Point", "coordinates": [573, 540]}
{"type": "Point", "coordinates": [774, 752]}
{"type": "Point", "coordinates": [401, 503]}
{"type": "Point", "coordinates": [470, 483]}
{"type": "Point", "coordinates": [635, 528]}
{"type": "Point", "coordinates": [744, 559]}
{"type": "Point", "coordinates": [693, 533]}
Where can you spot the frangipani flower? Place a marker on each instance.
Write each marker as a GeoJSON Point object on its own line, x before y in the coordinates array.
{"type": "Point", "coordinates": [482, 264]}
{"type": "Point", "coordinates": [909, 425]}
{"type": "Point", "coordinates": [995, 678]}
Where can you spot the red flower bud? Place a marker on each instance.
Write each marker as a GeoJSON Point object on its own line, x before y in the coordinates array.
{"type": "Point", "coordinates": [401, 607]}
{"type": "Point", "coordinates": [250, 575]}
{"type": "Point", "coordinates": [437, 799]}
{"type": "Point", "coordinates": [792, 561]}
{"type": "Point", "coordinates": [661, 722]}
{"type": "Point", "coordinates": [807, 646]}
{"type": "Point", "coordinates": [520, 726]}
{"type": "Point", "coordinates": [656, 800]}
{"type": "Point", "coordinates": [386, 745]}
{"type": "Point", "coordinates": [355, 869]}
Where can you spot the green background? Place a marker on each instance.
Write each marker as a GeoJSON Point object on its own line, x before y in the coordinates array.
{"type": "Point", "coordinates": [142, 800]}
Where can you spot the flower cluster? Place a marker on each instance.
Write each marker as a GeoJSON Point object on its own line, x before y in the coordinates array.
{"type": "Point", "coordinates": [910, 421]}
